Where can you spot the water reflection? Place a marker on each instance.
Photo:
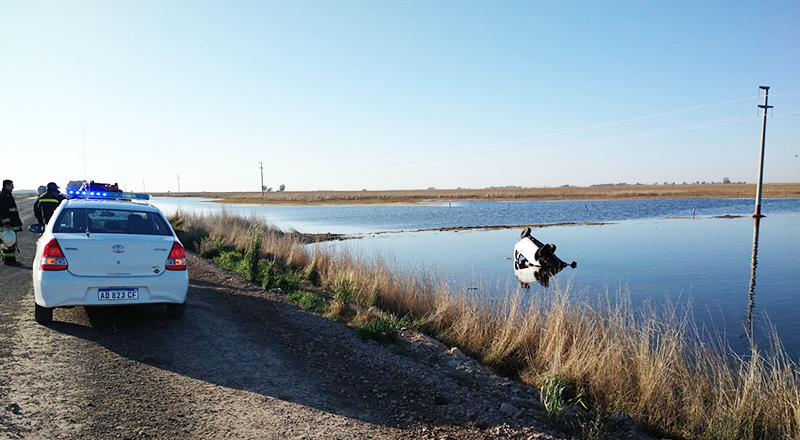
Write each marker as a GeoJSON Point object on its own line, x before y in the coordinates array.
{"type": "Point", "coordinates": [536, 274]}
{"type": "Point", "coordinates": [751, 302]}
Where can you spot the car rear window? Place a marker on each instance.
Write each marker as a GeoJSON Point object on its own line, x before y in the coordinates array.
{"type": "Point", "coordinates": [111, 221]}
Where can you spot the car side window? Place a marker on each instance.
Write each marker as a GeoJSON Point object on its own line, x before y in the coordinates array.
{"type": "Point", "coordinates": [73, 220]}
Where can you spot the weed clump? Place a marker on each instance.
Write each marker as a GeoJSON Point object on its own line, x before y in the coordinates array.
{"type": "Point", "coordinates": [385, 329]}
{"type": "Point", "coordinates": [308, 300]}
{"type": "Point", "coordinates": [342, 307]}
{"type": "Point", "coordinates": [269, 274]}
{"type": "Point", "coordinates": [230, 260]}
{"type": "Point", "coordinates": [212, 247]}
{"type": "Point", "coordinates": [554, 398]}
{"type": "Point", "coordinates": [311, 274]}
{"type": "Point", "coordinates": [252, 253]}
{"type": "Point", "coordinates": [343, 291]}
{"type": "Point", "coordinates": [290, 280]}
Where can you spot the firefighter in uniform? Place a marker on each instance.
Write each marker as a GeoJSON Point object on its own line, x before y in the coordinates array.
{"type": "Point", "coordinates": [46, 204]}
{"type": "Point", "coordinates": [11, 224]}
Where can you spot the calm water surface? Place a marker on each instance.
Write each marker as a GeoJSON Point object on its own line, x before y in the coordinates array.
{"type": "Point", "coordinates": [645, 251]}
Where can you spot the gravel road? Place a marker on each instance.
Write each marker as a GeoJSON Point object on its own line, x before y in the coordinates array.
{"type": "Point", "coordinates": [241, 364]}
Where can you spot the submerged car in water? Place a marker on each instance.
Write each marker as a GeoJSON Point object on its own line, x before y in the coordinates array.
{"type": "Point", "coordinates": [108, 249]}
{"type": "Point", "coordinates": [535, 261]}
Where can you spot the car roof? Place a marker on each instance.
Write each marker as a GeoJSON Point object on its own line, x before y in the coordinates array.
{"type": "Point", "coordinates": [110, 204]}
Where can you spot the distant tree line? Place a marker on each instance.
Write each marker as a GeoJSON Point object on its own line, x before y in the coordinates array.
{"type": "Point", "coordinates": [725, 180]}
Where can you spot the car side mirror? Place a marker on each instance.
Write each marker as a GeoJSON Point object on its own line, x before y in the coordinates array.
{"type": "Point", "coordinates": [36, 229]}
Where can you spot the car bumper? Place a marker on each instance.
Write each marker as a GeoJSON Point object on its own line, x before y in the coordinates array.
{"type": "Point", "coordinates": [61, 288]}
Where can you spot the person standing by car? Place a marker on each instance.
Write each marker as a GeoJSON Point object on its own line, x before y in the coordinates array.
{"type": "Point", "coordinates": [11, 224]}
{"type": "Point", "coordinates": [46, 204]}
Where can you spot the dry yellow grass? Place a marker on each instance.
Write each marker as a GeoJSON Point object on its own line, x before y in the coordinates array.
{"type": "Point", "coordinates": [733, 190]}
{"type": "Point", "coordinates": [652, 363]}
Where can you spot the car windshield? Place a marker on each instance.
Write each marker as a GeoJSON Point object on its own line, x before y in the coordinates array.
{"type": "Point", "coordinates": [111, 221]}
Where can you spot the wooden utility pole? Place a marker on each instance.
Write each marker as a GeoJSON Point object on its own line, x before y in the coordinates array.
{"type": "Point", "coordinates": [766, 107]}
{"type": "Point", "coordinates": [261, 166]}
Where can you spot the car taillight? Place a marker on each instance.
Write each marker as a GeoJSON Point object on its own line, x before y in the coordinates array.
{"type": "Point", "coordinates": [177, 258]}
{"type": "Point", "coordinates": [53, 257]}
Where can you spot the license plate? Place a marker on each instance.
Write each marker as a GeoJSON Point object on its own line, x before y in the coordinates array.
{"type": "Point", "coordinates": [118, 294]}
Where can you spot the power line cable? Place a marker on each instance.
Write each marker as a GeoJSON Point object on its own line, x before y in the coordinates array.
{"type": "Point", "coordinates": [575, 130]}
{"type": "Point", "coordinates": [573, 145]}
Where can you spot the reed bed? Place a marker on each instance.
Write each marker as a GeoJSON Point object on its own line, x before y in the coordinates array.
{"type": "Point", "coordinates": [651, 362]}
{"type": "Point", "coordinates": [733, 190]}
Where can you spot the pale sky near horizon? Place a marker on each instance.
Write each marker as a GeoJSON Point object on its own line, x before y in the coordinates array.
{"type": "Point", "coordinates": [350, 95]}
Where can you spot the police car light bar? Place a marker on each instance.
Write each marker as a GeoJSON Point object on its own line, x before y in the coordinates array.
{"type": "Point", "coordinates": [108, 195]}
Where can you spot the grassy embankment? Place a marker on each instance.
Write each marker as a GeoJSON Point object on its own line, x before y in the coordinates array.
{"type": "Point", "coordinates": [733, 190]}
{"type": "Point", "coordinates": [654, 367]}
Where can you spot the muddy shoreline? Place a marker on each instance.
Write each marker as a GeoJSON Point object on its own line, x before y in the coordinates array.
{"type": "Point", "coordinates": [494, 227]}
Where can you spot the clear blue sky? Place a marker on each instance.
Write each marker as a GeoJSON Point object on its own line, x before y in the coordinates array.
{"type": "Point", "coordinates": [396, 94]}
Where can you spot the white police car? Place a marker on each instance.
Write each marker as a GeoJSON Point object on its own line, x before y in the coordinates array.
{"type": "Point", "coordinates": [104, 248]}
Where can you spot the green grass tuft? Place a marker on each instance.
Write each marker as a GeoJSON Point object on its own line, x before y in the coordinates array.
{"type": "Point", "coordinates": [252, 254]}
{"type": "Point", "coordinates": [269, 274]}
{"type": "Point", "coordinates": [230, 260]}
{"type": "Point", "coordinates": [554, 396]}
{"type": "Point", "coordinates": [343, 291]}
{"type": "Point", "coordinates": [290, 280]}
{"type": "Point", "coordinates": [312, 274]}
{"type": "Point", "coordinates": [308, 300]}
{"type": "Point", "coordinates": [212, 247]}
{"type": "Point", "coordinates": [384, 329]}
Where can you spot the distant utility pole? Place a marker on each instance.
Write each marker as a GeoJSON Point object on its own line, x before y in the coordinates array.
{"type": "Point", "coordinates": [84, 152]}
{"type": "Point", "coordinates": [761, 160]}
{"type": "Point", "coordinates": [261, 166]}
{"type": "Point", "coordinates": [143, 190]}
{"type": "Point", "coordinates": [179, 184]}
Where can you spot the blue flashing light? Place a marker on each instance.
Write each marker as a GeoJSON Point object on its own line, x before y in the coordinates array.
{"type": "Point", "coordinates": [109, 195]}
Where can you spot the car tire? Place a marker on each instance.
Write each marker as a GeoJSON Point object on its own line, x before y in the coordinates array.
{"type": "Point", "coordinates": [176, 310]}
{"type": "Point", "coordinates": [43, 315]}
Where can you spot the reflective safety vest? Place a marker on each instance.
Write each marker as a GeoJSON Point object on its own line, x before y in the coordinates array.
{"type": "Point", "coordinates": [46, 205]}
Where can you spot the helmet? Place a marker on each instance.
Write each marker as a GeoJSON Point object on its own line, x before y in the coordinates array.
{"type": "Point", "coordinates": [8, 237]}
{"type": "Point", "coordinates": [52, 186]}
{"type": "Point", "coordinates": [41, 190]}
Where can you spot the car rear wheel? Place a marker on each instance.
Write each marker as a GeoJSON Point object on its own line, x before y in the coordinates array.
{"type": "Point", "coordinates": [176, 310]}
{"type": "Point", "coordinates": [43, 315]}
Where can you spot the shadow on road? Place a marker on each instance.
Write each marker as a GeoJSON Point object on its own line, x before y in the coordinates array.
{"type": "Point", "coordinates": [249, 341]}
